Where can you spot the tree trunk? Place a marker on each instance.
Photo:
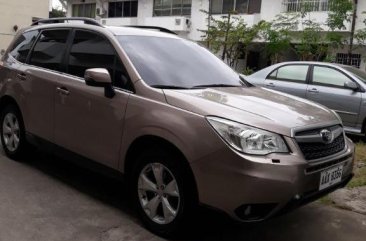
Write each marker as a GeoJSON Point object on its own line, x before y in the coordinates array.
{"type": "Point", "coordinates": [226, 36]}
{"type": "Point", "coordinates": [354, 17]}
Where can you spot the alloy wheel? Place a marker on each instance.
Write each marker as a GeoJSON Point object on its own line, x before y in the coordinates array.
{"type": "Point", "coordinates": [158, 193]}
{"type": "Point", "coordinates": [11, 132]}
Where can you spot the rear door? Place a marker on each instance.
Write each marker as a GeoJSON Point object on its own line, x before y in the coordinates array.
{"type": "Point", "coordinates": [87, 122]}
{"type": "Point", "coordinates": [327, 88]}
{"type": "Point", "coordinates": [38, 78]}
{"type": "Point", "coordinates": [290, 78]}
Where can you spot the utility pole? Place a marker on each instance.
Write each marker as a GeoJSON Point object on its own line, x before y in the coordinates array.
{"type": "Point", "coordinates": [354, 18]}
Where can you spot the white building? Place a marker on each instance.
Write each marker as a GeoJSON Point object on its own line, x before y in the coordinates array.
{"type": "Point", "coordinates": [17, 14]}
{"type": "Point", "coordinates": [186, 17]}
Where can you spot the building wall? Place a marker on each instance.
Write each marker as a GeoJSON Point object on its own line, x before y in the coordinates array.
{"type": "Point", "coordinates": [198, 20]}
{"type": "Point", "coordinates": [20, 13]}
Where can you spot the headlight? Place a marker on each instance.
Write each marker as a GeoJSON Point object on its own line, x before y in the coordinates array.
{"type": "Point", "coordinates": [248, 139]}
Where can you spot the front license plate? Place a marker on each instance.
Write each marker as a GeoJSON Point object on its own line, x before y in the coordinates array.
{"type": "Point", "coordinates": [330, 177]}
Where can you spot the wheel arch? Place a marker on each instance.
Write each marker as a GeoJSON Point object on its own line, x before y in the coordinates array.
{"type": "Point", "coordinates": [140, 143]}
{"type": "Point", "coordinates": [7, 100]}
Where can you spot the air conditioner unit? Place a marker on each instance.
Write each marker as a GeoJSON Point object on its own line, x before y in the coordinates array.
{"type": "Point", "coordinates": [178, 21]}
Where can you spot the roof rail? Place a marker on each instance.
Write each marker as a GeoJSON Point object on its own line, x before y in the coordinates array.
{"type": "Point", "coordinates": [65, 20]}
{"type": "Point", "coordinates": [164, 30]}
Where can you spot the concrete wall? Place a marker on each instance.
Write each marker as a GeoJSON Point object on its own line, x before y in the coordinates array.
{"type": "Point", "coordinates": [20, 13]}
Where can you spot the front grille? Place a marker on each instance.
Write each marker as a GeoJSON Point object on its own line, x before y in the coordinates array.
{"type": "Point", "coordinates": [318, 150]}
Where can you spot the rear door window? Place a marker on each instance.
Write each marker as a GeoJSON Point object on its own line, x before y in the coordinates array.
{"type": "Point", "coordinates": [23, 45]}
{"type": "Point", "coordinates": [92, 50]}
{"type": "Point", "coordinates": [294, 73]}
{"type": "Point", "coordinates": [50, 49]}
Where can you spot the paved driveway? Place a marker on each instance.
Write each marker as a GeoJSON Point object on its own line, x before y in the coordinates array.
{"type": "Point", "coordinates": [49, 199]}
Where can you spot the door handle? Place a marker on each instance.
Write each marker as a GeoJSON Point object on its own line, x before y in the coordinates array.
{"type": "Point", "coordinates": [270, 85]}
{"type": "Point", "coordinates": [22, 76]}
{"type": "Point", "coordinates": [313, 90]}
{"type": "Point", "coordinates": [63, 91]}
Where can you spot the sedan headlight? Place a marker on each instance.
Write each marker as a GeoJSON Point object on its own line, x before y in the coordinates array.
{"type": "Point", "coordinates": [248, 139]}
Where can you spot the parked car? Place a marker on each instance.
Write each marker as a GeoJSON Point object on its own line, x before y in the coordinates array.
{"type": "Point", "coordinates": [181, 126]}
{"type": "Point", "coordinates": [338, 87]}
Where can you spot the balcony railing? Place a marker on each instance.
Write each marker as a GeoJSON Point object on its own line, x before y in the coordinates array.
{"type": "Point", "coordinates": [305, 5]}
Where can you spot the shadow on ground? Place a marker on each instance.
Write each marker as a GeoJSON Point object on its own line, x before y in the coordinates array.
{"type": "Point", "coordinates": [313, 222]}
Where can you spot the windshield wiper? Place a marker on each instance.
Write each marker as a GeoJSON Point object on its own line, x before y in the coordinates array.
{"type": "Point", "coordinates": [215, 85]}
{"type": "Point", "coordinates": [169, 87]}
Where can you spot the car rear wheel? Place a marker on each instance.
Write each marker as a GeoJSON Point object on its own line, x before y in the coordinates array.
{"type": "Point", "coordinates": [161, 192]}
{"type": "Point", "coordinates": [12, 132]}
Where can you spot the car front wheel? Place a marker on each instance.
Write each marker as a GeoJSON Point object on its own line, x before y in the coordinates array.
{"type": "Point", "coordinates": [162, 194]}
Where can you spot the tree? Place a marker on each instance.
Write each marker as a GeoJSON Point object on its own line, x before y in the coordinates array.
{"type": "Point", "coordinates": [57, 13]}
{"type": "Point", "coordinates": [230, 35]}
{"type": "Point", "coordinates": [277, 35]}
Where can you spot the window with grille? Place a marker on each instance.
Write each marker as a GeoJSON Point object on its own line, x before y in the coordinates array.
{"type": "Point", "coordinates": [172, 7]}
{"type": "Point", "coordinates": [122, 9]}
{"type": "Point", "coordinates": [84, 10]}
{"type": "Point", "coordinates": [235, 6]}
{"type": "Point", "coordinates": [308, 5]}
{"type": "Point", "coordinates": [342, 58]}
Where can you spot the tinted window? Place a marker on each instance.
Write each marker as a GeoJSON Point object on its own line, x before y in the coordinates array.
{"type": "Point", "coordinates": [23, 45]}
{"type": "Point", "coordinates": [176, 62]}
{"type": "Point", "coordinates": [122, 9]}
{"type": "Point", "coordinates": [50, 49]}
{"type": "Point", "coordinates": [329, 76]}
{"type": "Point", "coordinates": [296, 73]}
{"type": "Point", "coordinates": [90, 50]}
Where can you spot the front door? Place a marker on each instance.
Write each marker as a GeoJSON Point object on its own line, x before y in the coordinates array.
{"type": "Point", "coordinates": [327, 88]}
{"type": "Point", "coordinates": [87, 122]}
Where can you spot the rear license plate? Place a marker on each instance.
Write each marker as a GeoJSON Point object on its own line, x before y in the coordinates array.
{"type": "Point", "coordinates": [330, 177]}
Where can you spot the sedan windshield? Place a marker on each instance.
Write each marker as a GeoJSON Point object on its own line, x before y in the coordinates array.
{"type": "Point", "coordinates": [359, 73]}
{"type": "Point", "coordinates": [177, 63]}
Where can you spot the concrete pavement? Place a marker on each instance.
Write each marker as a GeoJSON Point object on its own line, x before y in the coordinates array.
{"type": "Point", "coordinates": [50, 199]}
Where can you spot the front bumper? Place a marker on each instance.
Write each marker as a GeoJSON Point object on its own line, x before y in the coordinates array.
{"type": "Point", "coordinates": [254, 188]}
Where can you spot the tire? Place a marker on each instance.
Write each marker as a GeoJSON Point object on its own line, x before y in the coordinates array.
{"type": "Point", "coordinates": [174, 202]}
{"type": "Point", "coordinates": [12, 132]}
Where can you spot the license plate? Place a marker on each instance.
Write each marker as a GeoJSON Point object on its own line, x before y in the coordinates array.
{"type": "Point", "coordinates": [330, 177]}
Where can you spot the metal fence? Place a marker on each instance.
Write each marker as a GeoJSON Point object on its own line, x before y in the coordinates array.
{"type": "Point", "coordinates": [302, 5]}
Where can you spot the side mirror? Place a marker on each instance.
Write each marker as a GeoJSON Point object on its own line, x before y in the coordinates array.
{"type": "Point", "coordinates": [2, 52]}
{"type": "Point", "coordinates": [99, 77]}
{"type": "Point", "coordinates": [351, 85]}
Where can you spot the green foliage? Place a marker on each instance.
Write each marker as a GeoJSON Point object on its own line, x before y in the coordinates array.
{"type": "Point", "coordinates": [340, 11]}
{"type": "Point", "coordinates": [247, 71]}
{"type": "Point", "coordinates": [57, 13]}
{"type": "Point", "coordinates": [231, 35]}
{"type": "Point", "coordinates": [277, 34]}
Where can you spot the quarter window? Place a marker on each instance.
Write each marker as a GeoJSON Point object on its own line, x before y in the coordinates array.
{"type": "Point", "coordinates": [295, 73]}
{"type": "Point", "coordinates": [50, 49]}
{"type": "Point", "coordinates": [90, 50]}
{"type": "Point", "coordinates": [23, 45]}
{"type": "Point", "coordinates": [122, 9]}
{"type": "Point", "coordinates": [172, 7]}
{"type": "Point", "coordinates": [329, 76]}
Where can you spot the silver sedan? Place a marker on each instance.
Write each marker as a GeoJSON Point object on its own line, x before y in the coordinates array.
{"type": "Point", "coordinates": [338, 87]}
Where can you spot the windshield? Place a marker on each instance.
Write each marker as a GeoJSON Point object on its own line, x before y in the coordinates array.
{"type": "Point", "coordinates": [177, 63]}
{"type": "Point", "coordinates": [359, 73]}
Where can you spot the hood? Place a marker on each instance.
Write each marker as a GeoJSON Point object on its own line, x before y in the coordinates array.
{"type": "Point", "coordinates": [263, 108]}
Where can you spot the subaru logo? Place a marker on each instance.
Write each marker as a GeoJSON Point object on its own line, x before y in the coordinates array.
{"type": "Point", "coordinates": [327, 136]}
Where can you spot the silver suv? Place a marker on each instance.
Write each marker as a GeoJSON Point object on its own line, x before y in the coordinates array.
{"type": "Point", "coordinates": [180, 125]}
